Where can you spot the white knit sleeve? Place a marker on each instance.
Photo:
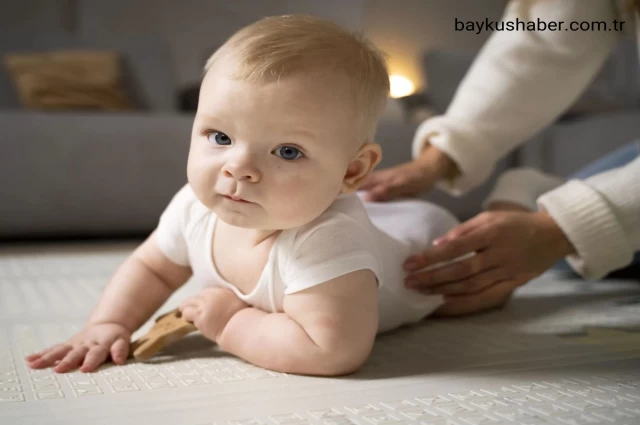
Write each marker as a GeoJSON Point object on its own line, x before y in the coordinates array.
{"type": "Point", "coordinates": [601, 218]}
{"type": "Point", "coordinates": [519, 83]}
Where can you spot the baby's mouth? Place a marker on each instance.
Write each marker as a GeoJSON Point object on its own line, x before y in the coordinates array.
{"type": "Point", "coordinates": [236, 199]}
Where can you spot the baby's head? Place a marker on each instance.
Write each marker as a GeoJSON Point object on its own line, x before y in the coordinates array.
{"type": "Point", "coordinates": [286, 117]}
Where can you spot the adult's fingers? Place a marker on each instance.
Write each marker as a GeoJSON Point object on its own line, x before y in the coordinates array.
{"type": "Point", "coordinates": [371, 181]}
{"type": "Point", "coordinates": [120, 351]}
{"type": "Point", "coordinates": [462, 229]}
{"type": "Point", "coordinates": [49, 356]}
{"type": "Point", "coordinates": [384, 186]}
{"type": "Point", "coordinates": [452, 250]}
{"type": "Point", "coordinates": [460, 269]}
{"type": "Point", "coordinates": [96, 355]}
{"type": "Point", "coordinates": [72, 360]}
{"type": "Point", "coordinates": [492, 297]}
{"type": "Point", "coordinates": [400, 181]}
{"type": "Point", "coordinates": [377, 193]}
{"type": "Point", "coordinates": [471, 285]}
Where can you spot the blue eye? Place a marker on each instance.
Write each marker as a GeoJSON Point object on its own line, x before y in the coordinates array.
{"type": "Point", "coordinates": [288, 152]}
{"type": "Point", "coordinates": [219, 138]}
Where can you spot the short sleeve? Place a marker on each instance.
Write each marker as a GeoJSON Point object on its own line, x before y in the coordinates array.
{"type": "Point", "coordinates": [329, 249]}
{"type": "Point", "coordinates": [170, 233]}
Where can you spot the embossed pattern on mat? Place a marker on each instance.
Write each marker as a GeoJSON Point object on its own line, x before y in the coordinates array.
{"type": "Point", "coordinates": [507, 366]}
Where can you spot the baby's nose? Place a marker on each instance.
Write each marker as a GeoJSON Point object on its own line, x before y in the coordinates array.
{"type": "Point", "coordinates": [246, 172]}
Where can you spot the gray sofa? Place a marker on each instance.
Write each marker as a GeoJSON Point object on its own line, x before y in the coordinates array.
{"type": "Point", "coordinates": [97, 174]}
{"type": "Point", "coordinates": [82, 174]}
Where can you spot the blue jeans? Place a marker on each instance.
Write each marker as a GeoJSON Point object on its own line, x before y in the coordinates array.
{"type": "Point", "coordinates": [618, 158]}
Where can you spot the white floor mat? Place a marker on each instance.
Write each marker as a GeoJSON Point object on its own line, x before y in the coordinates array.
{"type": "Point", "coordinates": [561, 352]}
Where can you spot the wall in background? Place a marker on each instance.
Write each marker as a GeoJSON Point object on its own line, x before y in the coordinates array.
{"type": "Point", "coordinates": [37, 15]}
{"type": "Point", "coordinates": [406, 28]}
{"type": "Point", "coordinates": [195, 28]}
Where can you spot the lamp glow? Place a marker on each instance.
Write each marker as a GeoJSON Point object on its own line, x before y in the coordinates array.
{"type": "Point", "coordinates": [400, 86]}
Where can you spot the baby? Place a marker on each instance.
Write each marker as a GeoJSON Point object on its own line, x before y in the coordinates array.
{"type": "Point", "coordinates": [298, 275]}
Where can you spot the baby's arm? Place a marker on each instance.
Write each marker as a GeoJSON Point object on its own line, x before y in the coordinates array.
{"type": "Point", "coordinates": [328, 329]}
{"type": "Point", "coordinates": [137, 289]}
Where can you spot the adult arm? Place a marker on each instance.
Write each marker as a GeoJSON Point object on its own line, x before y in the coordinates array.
{"type": "Point", "coordinates": [520, 82]}
{"type": "Point", "coordinates": [593, 223]}
{"type": "Point", "coordinates": [601, 217]}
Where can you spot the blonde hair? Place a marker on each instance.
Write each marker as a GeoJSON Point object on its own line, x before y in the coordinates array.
{"type": "Point", "coordinates": [275, 47]}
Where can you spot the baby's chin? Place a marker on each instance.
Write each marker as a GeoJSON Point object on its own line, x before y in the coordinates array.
{"type": "Point", "coordinates": [256, 220]}
{"type": "Point", "coordinates": [260, 221]}
{"type": "Point", "coordinates": [236, 219]}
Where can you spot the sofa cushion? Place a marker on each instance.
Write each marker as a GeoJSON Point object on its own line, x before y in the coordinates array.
{"type": "Point", "coordinates": [69, 80]}
{"type": "Point", "coordinates": [149, 75]}
{"type": "Point", "coordinates": [23, 41]}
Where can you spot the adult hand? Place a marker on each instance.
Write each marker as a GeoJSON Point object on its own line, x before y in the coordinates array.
{"type": "Point", "coordinates": [409, 179]}
{"type": "Point", "coordinates": [493, 297]}
{"type": "Point", "coordinates": [512, 247]}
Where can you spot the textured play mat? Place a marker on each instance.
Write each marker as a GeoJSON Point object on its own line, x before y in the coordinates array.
{"type": "Point", "coordinates": [562, 351]}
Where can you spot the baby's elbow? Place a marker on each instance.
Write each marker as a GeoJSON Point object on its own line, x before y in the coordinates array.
{"type": "Point", "coordinates": [339, 362]}
{"type": "Point", "coordinates": [347, 367]}
{"type": "Point", "coordinates": [346, 352]}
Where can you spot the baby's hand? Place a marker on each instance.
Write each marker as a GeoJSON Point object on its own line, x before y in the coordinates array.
{"type": "Point", "coordinates": [211, 310]}
{"type": "Point", "coordinates": [88, 349]}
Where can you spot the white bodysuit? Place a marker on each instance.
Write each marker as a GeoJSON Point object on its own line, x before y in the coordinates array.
{"type": "Point", "coordinates": [348, 236]}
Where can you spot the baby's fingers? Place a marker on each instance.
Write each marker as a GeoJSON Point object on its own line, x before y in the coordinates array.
{"type": "Point", "coordinates": [190, 313]}
{"type": "Point", "coordinates": [32, 357]}
{"type": "Point", "coordinates": [120, 351]}
{"type": "Point", "coordinates": [49, 356]}
{"type": "Point", "coordinates": [94, 358]}
{"type": "Point", "coordinates": [73, 359]}
{"type": "Point", "coordinates": [191, 302]}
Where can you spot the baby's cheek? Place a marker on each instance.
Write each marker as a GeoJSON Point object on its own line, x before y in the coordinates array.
{"type": "Point", "coordinates": [303, 200]}
{"type": "Point", "coordinates": [202, 180]}
{"type": "Point", "coordinates": [196, 174]}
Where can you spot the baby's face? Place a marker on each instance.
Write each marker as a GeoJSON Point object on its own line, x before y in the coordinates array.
{"type": "Point", "coordinates": [270, 155]}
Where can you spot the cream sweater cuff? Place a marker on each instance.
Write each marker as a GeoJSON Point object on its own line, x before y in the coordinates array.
{"type": "Point", "coordinates": [591, 226]}
{"type": "Point", "coordinates": [475, 161]}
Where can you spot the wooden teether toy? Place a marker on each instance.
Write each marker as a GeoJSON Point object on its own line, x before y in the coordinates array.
{"type": "Point", "coordinates": [168, 329]}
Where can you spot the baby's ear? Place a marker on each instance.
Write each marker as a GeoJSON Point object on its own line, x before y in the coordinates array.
{"type": "Point", "coordinates": [368, 156]}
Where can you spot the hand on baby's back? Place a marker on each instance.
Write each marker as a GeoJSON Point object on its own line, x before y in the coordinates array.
{"type": "Point", "coordinates": [87, 350]}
